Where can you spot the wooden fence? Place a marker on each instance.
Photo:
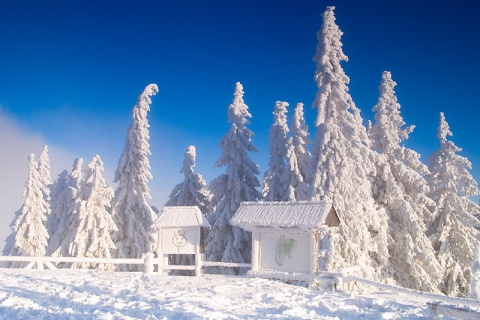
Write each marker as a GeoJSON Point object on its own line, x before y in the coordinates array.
{"type": "Point", "coordinates": [148, 261]}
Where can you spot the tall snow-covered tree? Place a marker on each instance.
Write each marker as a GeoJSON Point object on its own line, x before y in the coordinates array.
{"type": "Point", "coordinates": [456, 236]}
{"type": "Point", "coordinates": [342, 163]}
{"type": "Point", "coordinates": [29, 236]}
{"type": "Point", "coordinates": [273, 187]}
{"type": "Point", "coordinates": [58, 187]}
{"type": "Point", "coordinates": [45, 177]}
{"type": "Point", "coordinates": [131, 212]}
{"type": "Point", "coordinates": [294, 183]}
{"type": "Point", "coordinates": [301, 140]}
{"type": "Point", "coordinates": [92, 235]}
{"type": "Point", "coordinates": [402, 190]}
{"type": "Point", "coordinates": [474, 292]}
{"type": "Point", "coordinates": [193, 191]}
{"type": "Point", "coordinates": [66, 211]}
{"type": "Point", "coordinates": [239, 183]}
{"type": "Point", "coordinates": [298, 158]}
{"type": "Point", "coordinates": [387, 135]}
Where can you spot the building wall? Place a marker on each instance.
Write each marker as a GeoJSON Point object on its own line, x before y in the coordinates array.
{"type": "Point", "coordinates": [179, 240]}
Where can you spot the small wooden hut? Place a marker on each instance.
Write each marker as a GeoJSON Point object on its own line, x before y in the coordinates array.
{"type": "Point", "coordinates": [180, 232]}
{"type": "Point", "coordinates": [286, 236]}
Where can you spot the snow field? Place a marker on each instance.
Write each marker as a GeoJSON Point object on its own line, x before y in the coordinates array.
{"type": "Point", "coordinates": [81, 294]}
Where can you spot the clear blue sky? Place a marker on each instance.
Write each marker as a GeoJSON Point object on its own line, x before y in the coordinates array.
{"type": "Point", "coordinates": [71, 71]}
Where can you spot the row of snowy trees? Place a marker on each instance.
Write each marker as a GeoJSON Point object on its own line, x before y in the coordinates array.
{"type": "Point", "coordinates": [403, 222]}
{"type": "Point", "coordinates": [68, 218]}
{"type": "Point", "coordinates": [79, 215]}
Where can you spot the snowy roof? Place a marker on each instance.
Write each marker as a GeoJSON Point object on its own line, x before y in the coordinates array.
{"type": "Point", "coordinates": [181, 216]}
{"type": "Point", "coordinates": [299, 214]}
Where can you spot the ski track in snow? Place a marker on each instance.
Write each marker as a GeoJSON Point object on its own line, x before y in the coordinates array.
{"type": "Point", "coordinates": [81, 294]}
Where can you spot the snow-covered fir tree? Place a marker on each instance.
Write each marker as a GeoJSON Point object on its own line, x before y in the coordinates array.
{"type": "Point", "coordinates": [239, 183]}
{"type": "Point", "coordinates": [193, 191]}
{"type": "Point", "coordinates": [58, 187]}
{"type": "Point", "coordinates": [387, 135]}
{"type": "Point", "coordinates": [274, 189]}
{"type": "Point", "coordinates": [298, 158]}
{"type": "Point", "coordinates": [402, 190]}
{"type": "Point", "coordinates": [301, 140]}
{"type": "Point", "coordinates": [45, 177]}
{"type": "Point", "coordinates": [294, 183]}
{"type": "Point", "coordinates": [66, 210]}
{"type": "Point", "coordinates": [131, 212]}
{"type": "Point", "coordinates": [342, 163]}
{"type": "Point", "coordinates": [474, 292]}
{"type": "Point", "coordinates": [455, 236]}
{"type": "Point", "coordinates": [29, 236]}
{"type": "Point", "coordinates": [92, 235]}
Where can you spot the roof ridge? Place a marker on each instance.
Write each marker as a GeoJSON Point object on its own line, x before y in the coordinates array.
{"type": "Point", "coordinates": [303, 202]}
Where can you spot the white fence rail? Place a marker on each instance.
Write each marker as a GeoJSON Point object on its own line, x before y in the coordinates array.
{"type": "Point", "coordinates": [41, 262]}
{"type": "Point", "coordinates": [148, 261]}
{"type": "Point", "coordinates": [226, 264]}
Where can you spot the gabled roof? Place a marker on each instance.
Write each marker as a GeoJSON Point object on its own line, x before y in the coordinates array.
{"type": "Point", "coordinates": [181, 216]}
{"type": "Point", "coordinates": [299, 214]}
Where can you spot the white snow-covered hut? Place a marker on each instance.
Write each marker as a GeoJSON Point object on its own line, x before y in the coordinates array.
{"type": "Point", "coordinates": [286, 236]}
{"type": "Point", "coordinates": [180, 231]}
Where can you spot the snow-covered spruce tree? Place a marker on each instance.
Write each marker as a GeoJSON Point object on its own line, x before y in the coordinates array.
{"type": "Point", "coordinates": [192, 191]}
{"type": "Point", "coordinates": [298, 157]}
{"type": "Point", "coordinates": [296, 186]}
{"type": "Point", "coordinates": [387, 135]}
{"type": "Point", "coordinates": [402, 190]}
{"type": "Point", "coordinates": [58, 187]}
{"type": "Point", "coordinates": [66, 210]}
{"type": "Point", "coordinates": [92, 235]}
{"type": "Point", "coordinates": [301, 140]}
{"type": "Point", "coordinates": [29, 236]}
{"type": "Point", "coordinates": [342, 164]}
{"type": "Point", "coordinates": [455, 234]}
{"type": "Point", "coordinates": [474, 292]}
{"type": "Point", "coordinates": [131, 212]}
{"type": "Point", "coordinates": [273, 187]}
{"type": "Point", "coordinates": [225, 242]}
{"type": "Point", "coordinates": [45, 177]}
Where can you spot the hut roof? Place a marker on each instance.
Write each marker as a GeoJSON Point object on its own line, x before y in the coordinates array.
{"type": "Point", "coordinates": [299, 214]}
{"type": "Point", "coordinates": [181, 216]}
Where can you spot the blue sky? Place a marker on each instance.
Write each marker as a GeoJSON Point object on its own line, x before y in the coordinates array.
{"type": "Point", "coordinates": [71, 71]}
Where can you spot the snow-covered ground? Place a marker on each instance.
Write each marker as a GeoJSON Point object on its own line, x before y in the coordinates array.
{"type": "Point", "coordinates": [80, 294]}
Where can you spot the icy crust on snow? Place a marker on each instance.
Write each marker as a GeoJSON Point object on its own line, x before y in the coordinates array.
{"type": "Point", "coordinates": [75, 294]}
{"type": "Point", "coordinates": [181, 216]}
{"type": "Point", "coordinates": [301, 214]}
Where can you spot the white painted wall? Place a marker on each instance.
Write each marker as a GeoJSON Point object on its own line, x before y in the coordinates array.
{"type": "Point", "coordinates": [179, 240]}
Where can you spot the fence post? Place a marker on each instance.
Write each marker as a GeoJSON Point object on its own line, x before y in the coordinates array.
{"type": "Point", "coordinates": [198, 262]}
{"type": "Point", "coordinates": [148, 258]}
{"type": "Point", "coordinates": [339, 285]}
{"type": "Point", "coordinates": [40, 265]}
